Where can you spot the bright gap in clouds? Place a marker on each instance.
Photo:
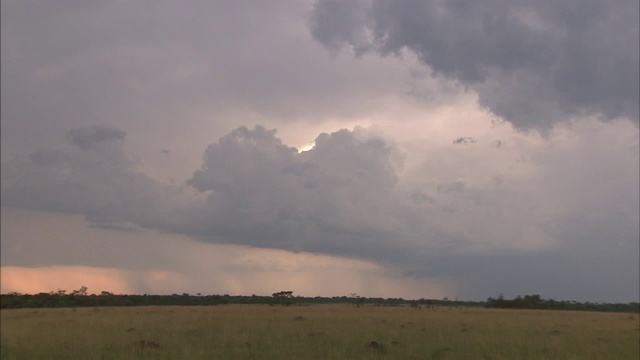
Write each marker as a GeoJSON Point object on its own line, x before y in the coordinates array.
{"type": "Point", "coordinates": [306, 147]}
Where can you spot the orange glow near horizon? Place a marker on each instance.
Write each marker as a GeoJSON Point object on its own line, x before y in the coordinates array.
{"type": "Point", "coordinates": [46, 279]}
{"type": "Point", "coordinates": [25, 280]}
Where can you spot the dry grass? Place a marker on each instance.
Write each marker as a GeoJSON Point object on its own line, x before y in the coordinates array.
{"type": "Point", "coordinates": [315, 332]}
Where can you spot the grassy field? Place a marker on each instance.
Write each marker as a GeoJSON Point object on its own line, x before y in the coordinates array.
{"type": "Point", "coordinates": [315, 332]}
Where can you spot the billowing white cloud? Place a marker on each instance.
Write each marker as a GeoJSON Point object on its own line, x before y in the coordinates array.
{"type": "Point", "coordinates": [264, 193]}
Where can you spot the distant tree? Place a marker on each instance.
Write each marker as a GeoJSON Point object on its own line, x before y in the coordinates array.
{"type": "Point", "coordinates": [283, 297]}
{"type": "Point", "coordinates": [82, 291]}
{"type": "Point", "coordinates": [357, 300]}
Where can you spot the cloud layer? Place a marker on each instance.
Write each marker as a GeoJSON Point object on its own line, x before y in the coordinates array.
{"type": "Point", "coordinates": [351, 195]}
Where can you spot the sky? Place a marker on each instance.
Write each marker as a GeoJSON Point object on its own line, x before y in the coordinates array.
{"type": "Point", "coordinates": [410, 148]}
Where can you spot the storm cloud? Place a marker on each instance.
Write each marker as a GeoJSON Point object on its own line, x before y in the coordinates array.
{"type": "Point", "coordinates": [533, 64]}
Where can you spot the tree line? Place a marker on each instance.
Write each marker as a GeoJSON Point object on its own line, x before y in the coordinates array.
{"type": "Point", "coordinates": [80, 298]}
{"type": "Point", "coordinates": [536, 302]}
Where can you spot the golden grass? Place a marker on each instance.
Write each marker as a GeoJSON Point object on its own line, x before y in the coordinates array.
{"type": "Point", "coordinates": [315, 332]}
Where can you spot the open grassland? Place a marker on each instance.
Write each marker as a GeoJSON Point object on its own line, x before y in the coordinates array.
{"type": "Point", "coordinates": [315, 332]}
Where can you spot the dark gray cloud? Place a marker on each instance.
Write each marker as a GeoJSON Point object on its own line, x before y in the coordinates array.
{"type": "Point", "coordinates": [464, 140]}
{"type": "Point", "coordinates": [532, 63]}
{"type": "Point", "coordinates": [87, 137]}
